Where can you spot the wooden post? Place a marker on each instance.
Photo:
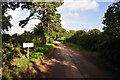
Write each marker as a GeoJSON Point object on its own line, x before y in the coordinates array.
{"type": "Point", "coordinates": [28, 52]}
{"type": "Point", "coordinates": [28, 58]}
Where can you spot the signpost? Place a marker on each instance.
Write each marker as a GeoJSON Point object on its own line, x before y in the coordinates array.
{"type": "Point", "coordinates": [28, 45]}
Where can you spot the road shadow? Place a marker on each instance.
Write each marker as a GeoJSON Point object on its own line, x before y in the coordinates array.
{"type": "Point", "coordinates": [54, 67]}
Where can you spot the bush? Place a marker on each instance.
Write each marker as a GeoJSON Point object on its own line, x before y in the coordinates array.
{"type": "Point", "coordinates": [44, 48]}
{"type": "Point", "coordinates": [17, 66]}
{"type": "Point", "coordinates": [36, 55]}
{"type": "Point", "coordinates": [87, 40]}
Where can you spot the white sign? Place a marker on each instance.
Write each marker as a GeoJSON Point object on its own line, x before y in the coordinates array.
{"type": "Point", "coordinates": [27, 45]}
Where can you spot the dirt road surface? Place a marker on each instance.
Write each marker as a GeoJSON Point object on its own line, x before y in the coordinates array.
{"type": "Point", "coordinates": [67, 62]}
{"type": "Point", "coordinates": [72, 64]}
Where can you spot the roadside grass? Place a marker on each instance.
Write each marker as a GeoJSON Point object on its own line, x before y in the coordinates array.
{"type": "Point", "coordinates": [78, 47]}
{"type": "Point", "coordinates": [21, 64]}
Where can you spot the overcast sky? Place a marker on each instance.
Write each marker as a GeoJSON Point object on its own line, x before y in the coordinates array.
{"type": "Point", "coordinates": [75, 15]}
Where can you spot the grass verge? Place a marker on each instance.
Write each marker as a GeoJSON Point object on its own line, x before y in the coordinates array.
{"type": "Point", "coordinates": [75, 46]}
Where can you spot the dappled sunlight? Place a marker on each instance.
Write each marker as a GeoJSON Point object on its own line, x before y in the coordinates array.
{"type": "Point", "coordinates": [64, 63]}
{"type": "Point", "coordinates": [40, 68]}
{"type": "Point", "coordinates": [44, 68]}
{"type": "Point", "coordinates": [65, 49]}
{"type": "Point", "coordinates": [49, 62]}
{"type": "Point", "coordinates": [59, 47]}
{"type": "Point", "coordinates": [33, 71]}
{"type": "Point", "coordinates": [52, 62]}
{"type": "Point", "coordinates": [64, 46]}
{"type": "Point", "coordinates": [56, 42]}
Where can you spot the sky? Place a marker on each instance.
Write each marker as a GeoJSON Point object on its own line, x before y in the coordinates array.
{"type": "Point", "coordinates": [75, 15]}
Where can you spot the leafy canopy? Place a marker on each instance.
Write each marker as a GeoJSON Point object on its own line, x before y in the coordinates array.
{"type": "Point", "coordinates": [112, 20]}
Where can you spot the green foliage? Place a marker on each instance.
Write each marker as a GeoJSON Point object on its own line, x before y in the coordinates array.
{"type": "Point", "coordinates": [44, 48]}
{"type": "Point", "coordinates": [112, 20]}
{"type": "Point", "coordinates": [37, 54]}
{"type": "Point", "coordinates": [6, 22]}
{"type": "Point", "coordinates": [50, 45]}
{"type": "Point", "coordinates": [45, 32]}
{"type": "Point", "coordinates": [111, 42]}
{"type": "Point", "coordinates": [94, 32]}
{"type": "Point", "coordinates": [18, 66]}
{"type": "Point", "coordinates": [50, 36]}
{"type": "Point", "coordinates": [83, 38]}
{"type": "Point", "coordinates": [63, 34]}
{"type": "Point", "coordinates": [94, 40]}
{"type": "Point", "coordinates": [38, 30]}
{"type": "Point", "coordinates": [109, 49]}
{"type": "Point", "coordinates": [18, 62]}
{"type": "Point", "coordinates": [49, 20]}
{"type": "Point", "coordinates": [8, 53]}
{"type": "Point", "coordinates": [45, 13]}
{"type": "Point", "coordinates": [6, 38]}
{"type": "Point", "coordinates": [6, 75]}
{"type": "Point", "coordinates": [74, 45]}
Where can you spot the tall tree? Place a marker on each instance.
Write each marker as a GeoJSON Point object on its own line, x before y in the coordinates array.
{"type": "Point", "coordinates": [112, 20]}
{"type": "Point", "coordinates": [46, 13]}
